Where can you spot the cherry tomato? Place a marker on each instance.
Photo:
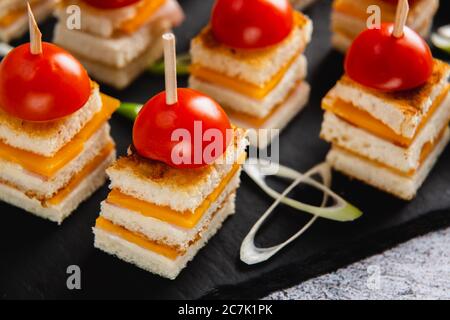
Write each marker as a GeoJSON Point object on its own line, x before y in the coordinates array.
{"type": "Point", "coordinates": [251, 24]}
{"type": "Point", "coordinates": [380, 61]}
{"type": "Point", "coordinates": [42, 87]}
{"type": "Point", "coordinates": [110, 4]}
{"type": "Point", "coordinates": [156, 123]}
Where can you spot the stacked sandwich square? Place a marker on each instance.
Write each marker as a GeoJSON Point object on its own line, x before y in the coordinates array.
{"type": "Point", "coordinates": [117, 45]}
{"type": "Point", "coordinates": [49, 168]}
{"type": "Point", "coordinates": [388, 140]}
{"type": "Point", "coordinates": [14, 18]}
{"type": "Point", "coordinates": [158, 217]}
{"type": "Point", "coordinates": [349, 18]}
{"type": "Point", "coordinates": [260, 88]}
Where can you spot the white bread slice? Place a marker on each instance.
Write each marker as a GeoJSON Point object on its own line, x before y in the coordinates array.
{"type": "Point", "coordinates": [341, 133]}
{"type": "Point", "coordinates": [279, 119]}
{"type": "Point", "coordinates": [350, 27]}
{"type": "Point", "coordinates": [340, 41]}
{"type": "Point", "coordinates": [382, 178]}
{"type": "Point", "coordinates": [179, 189]}
{"type": "Point", "coordinates": [161, 231]}
{"type": "Point", "coordinates": [106, 23]}
{"type": "Point", "coordinates": [259, 108]}
{"type": "Point", "coordinates": [115, 52]}
{"type": "Point", "coordinates": [420, 11]}
{"type": "Point", "coordinates": [61, 211]}
{"type": "Point", "coordinates": [47, 138]}
{"type": "Point", "coordinates": [401, 111]}
{"type": "Point", "coordinates": [254, 66]}
{"type": "Point", "coordinates": [41, 10]}
{"type": "Point", "coordinates": [122, 78]}
{"type": "Point", "coordinates": [156, 263]}
{"type": "Point", "coordinates": [43, 187]}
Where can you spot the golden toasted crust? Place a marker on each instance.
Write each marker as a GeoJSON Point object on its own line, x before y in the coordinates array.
{"type": "Point", "coordinates": [409, 101]}
{"type": "Point", "coordinates": [36, 129]}
{"type": "Point", "coordinates": [208, 41]}
{"type": "Point", "coordinates": [163, 174]}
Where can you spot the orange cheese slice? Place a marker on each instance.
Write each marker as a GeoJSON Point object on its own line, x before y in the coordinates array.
{"type": "Point", "coordinates": [135, 238]}
{"type": "Point", "coordinates": [238, 85]}
{"type": "Point", "coordinates": [427, 149]}
{"type": "Point", "coordinates": [255, 122]}
{"type": "Point", "coordinates": [362, 119]}
{"type": "Point", "coordinates": [184, 219]}
{"type": "Point", "coordinates": [14, 15]}
{"type": "Point", "coordinates": [79, 177]}
{"type": "Point", "coordinates": [145, 11]}
{"type": "Point", "coordinates": [48, 166]}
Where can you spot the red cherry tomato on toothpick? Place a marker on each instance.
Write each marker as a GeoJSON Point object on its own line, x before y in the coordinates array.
{"type": "Point", "coordinates": [157, 121]}
{"type": "Point", "coordinates": [42, 87]}
{"type": "Point", "coordinates": [110, 4]}
{"type": "Point", "coordinates": [251, 24]}
{"type": "Point", "coordinates": [383, 62]}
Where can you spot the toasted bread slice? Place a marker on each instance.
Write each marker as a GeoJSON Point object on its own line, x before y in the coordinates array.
{"type": "Point", "coordinates": [123, 77]}
{"type": "Point", "coordinates": [19, 26]}
{"type": "Point", "coordinates": [152, 261]}
{"type": "Point", "coordinates": [46, 138]}
{"type": "Point", "coordinates": [46, 187]}
{"type": "Point", "coordinates": [351, 26]}
{"type": "Point", "coordinates": [404, 111]}
{"type": "Point", "coordinates": [254, 66]}
{"type": "Point", "coordinates": [179, 189]}
{"type": "Point", "coordinates": [109, 23]}
{"type": "Point", "coordinates": [57, 213]}
{"type": "Point", "coordinates": [384, 178]}
{"type": "Point", "coordinates": [243, 103]}
{"type": "Point", "coordinates": [420, 10]}
{"type": "Point", "coordinates": [164, 231]}
{"type": "Point", "coordinates": [114, 52]}
{"type": "Point", "coordinates": [339, 132]}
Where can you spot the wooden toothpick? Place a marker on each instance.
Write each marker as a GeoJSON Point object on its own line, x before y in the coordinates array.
{"type": "Point", "coordinates": [35, 33]}
{"type": "Point", "coordinates": [400, 18]}
{"type": "Point", "coordinates": [170, 67]}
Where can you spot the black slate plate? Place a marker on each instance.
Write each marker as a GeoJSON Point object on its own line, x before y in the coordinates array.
{"type": "Point", "coordinates": [35, 253]}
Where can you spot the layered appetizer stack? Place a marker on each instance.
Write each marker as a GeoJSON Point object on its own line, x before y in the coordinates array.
{"type": "Point", "coordinates": [117, 40]}
{"type": "Point", "coordinates": [250, 59]}
{"type": "Point", "coordinates": [387, 117]}
{"type": "Point", "coordinates": [14, 18]}
{"type": "Point", "coordinates": [54, 136]}
{"type": "Point", "coordinates": [171, 195]}
{"type": "Point", "coordinates": [349, 17]}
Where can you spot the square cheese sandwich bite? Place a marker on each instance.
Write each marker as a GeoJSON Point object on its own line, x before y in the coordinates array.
{"type": "Point", "coordinates": [117, 42]}
{"type": "Point", "coordinates": [261, 87]}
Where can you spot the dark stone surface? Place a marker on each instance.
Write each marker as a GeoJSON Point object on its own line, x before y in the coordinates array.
{"type": "Point", "coordinates": [35, 253]}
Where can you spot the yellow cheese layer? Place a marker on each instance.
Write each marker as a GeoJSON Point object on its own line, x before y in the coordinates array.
{"type": "Point", "coordinates": [135, 238]}
{"type": "Point", "coordinates": [79, 177]}
{"type": "Point", "coordinates": [48, 166]}
{"type": "Point", "coordinates": [144, 13]}
{"type": "Point", "coordinates": [184, 219]}
{"type": "Point", "coordinates": [362, 119]}
{"type": "Point", "coordinates": [13, 16]}
{"type": "Point", "coordinates": [427, 149]}
{"type": "Point", "coordinates": [238, 85]}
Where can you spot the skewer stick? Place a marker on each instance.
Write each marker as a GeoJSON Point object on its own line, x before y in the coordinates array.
{"type": "Point", "coordinates": [400, 18]}
{"type": "Point", "coordinates": [35, 33]}
{"type": "Point", "coordinates": [170, 67]}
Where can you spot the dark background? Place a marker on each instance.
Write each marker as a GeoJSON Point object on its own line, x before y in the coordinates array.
{"type": "Point", "coordinates": [34, 253]}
